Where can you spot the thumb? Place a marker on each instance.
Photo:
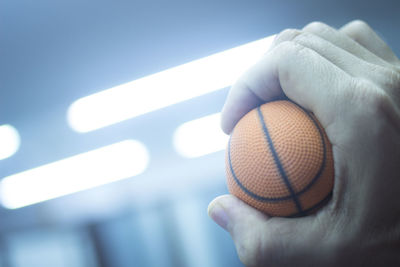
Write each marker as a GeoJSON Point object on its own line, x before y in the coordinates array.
{"type": "Point", "coordinates": [229, 212]}
{"type": "Point", "coordinates": [243, 223]}
{"type": "Point", "coordinates": [261, 240]}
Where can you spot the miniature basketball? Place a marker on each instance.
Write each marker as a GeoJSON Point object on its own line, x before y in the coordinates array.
{"type": "Point", "coordinates": [279, 160]}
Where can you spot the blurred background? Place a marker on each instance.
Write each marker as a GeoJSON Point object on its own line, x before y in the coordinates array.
{"type": "Point", "coordinates": [53, 53]}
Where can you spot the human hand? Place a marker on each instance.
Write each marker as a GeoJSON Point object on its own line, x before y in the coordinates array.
{"type": "Point", "coordinates": [350, 79]}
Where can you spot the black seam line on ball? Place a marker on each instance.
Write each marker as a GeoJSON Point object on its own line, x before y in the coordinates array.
{"type": "Point", "coordinates": [318, 205]}
{"type": "Point", "coordinates": [278, 162]}
{"type": "Point", "coordinates": [322, 167]}
{"type": "Point", "coordinates": [247, 191]}
{"type": "Point", "coordinates": [305, 189]}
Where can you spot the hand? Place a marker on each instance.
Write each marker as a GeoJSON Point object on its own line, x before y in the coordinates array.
{"type": "Point", "coordinates": [350, 79]}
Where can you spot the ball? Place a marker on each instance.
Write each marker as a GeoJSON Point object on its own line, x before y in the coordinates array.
{"type": "Point", "coordinates": [279, 160]}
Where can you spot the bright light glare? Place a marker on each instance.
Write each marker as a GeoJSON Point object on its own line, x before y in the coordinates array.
{"type": "Point", "coordinates": [200, 137]}
{"type": "Point", "coordinates": [164, 88]}
{"type": "Point", "coordinates": [9, 141]}
{"type": "Point", "coordinates": [97, 167]}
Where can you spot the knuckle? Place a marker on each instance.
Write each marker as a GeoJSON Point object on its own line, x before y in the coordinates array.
{"type": "Point", "coordinates": [386, 77]}
{"type": "Point", "coordinates": [358, 29]}
{"type": "Point", "coordinates": [287, 35]}
{"type": "Point", "coordinates": [374, 99]}
{"type": "Point", "coordinates": [396, 67]}
{"type": "Point", "coordinates": [316, 26]}
{"type": "Point", "coordinates": [290, 48]}
{"type": "Point", "coordinates": [296, 36]}
{"type": "Point", "coordinates": [382, 110]}
{"type": "Point", "coordinates": [391, 78]}
{"type": "Point", "coordinates": [359, 26]}
{"type": "Point", "coordinates": [379, 101]}
{"type": "Point", "coordinates": [305, 38]}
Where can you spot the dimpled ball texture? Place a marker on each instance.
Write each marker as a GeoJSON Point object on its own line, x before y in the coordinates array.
{"type": "Point", "coordinates": [279, 160]}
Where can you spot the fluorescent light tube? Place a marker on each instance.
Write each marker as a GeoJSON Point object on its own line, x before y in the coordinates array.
{"type": "Point", "coordinates": [9, 141]}
{"type": "Point", "coordinates": [200, 137]}
{"type": "Point", "coordinates": [83, 171]}
{"type": "Point", "coordinates": [164, 88]}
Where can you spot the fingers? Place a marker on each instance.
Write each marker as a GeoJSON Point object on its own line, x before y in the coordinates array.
{"type": "Point", "coordinates": [260, 240]}
{"type": "Point", "coordinates": [343, 41]}
{"type": "Point", "coordinates": [288, 69]}
{"type": "Point", "coordinates": [362, 33]}
{"type": "Point", "coordinates": [348, 62]}
{"type": "Point", "coordinates": [320, 48]}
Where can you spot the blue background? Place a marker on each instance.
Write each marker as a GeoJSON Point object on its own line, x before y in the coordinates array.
{"type": "Point", "coordinates": [54, 52]}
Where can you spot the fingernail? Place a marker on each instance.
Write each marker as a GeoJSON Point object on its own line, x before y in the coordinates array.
{"type": "Point", "coordinates": [218, 215]}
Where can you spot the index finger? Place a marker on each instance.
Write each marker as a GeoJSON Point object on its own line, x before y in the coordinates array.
{"type": "Point", "coordinates": [288, 70]}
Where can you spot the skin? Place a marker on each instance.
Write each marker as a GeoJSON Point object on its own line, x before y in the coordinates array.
{"type": "Point", "coordinates": [350, 79]}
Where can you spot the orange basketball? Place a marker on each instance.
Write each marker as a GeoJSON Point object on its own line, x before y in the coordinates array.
{"type": "Point", "coordinates": [279, 160]}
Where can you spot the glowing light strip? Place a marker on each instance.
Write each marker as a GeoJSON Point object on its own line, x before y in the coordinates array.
{"type": "Point", "coordinates": [200, 137]}
{"type": "Point", "coordinates": [97, 167]}
{"type": "Point", "coordinates": [164, 88]}
{"type": "Point", "coordinates": [9, 141]}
